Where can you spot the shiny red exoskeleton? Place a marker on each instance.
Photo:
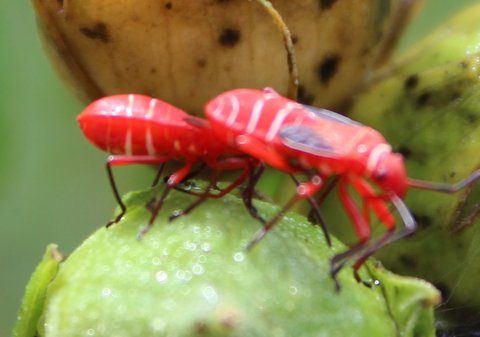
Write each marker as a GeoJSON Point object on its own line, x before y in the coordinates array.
{"type": "Point", "coordinates": [138, 129]}
{"type": "Point", "coordinates": [296, 138]}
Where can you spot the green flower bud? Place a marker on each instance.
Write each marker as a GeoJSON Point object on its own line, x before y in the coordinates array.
{"type": "Point", "coordinates": [194, 277]}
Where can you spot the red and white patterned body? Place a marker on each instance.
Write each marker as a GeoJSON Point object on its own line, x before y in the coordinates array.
{"type": "Point", "coordinates": [137, 125]}
{"type": "Point", "coordinates": [305, 136]}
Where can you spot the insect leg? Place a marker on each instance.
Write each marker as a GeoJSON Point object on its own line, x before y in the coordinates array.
{"type": "Point", "coordinates": [360, 224]}
{"type": "Point", "coordinates": [323, 195]}
{"type": "Point", "coordinates": [172, 181]}
{"type": "Point", "coordinates": [126, 160]}
{"type": "Point", "coordinates": [158, 175]}
{"type": "Point", "coordinates": [202, 198]}
{"type": "Point", "coordinates": [318, 214]}
{"type": "Point", "coordinates": [247, 194]}
{"type": "Point", "coordinates": [155, 209]}
{"type": "Point", "coordinates": [304, 191]}
{"type": "Point", "coordinates": [178, 176]}
{"type": "Point", "coordinates": [391, 236]}
{"type": "Point", "coordinates": [227, 164]}
{"type": "Point", "coordinates": [375, 202]}
{"type": "Point", "coordinates": [257, 150]}
{"type": "Point", "coordinates": [245, 164]}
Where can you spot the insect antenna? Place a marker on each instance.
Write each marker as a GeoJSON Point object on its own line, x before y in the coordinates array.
{"type": "Point", "coordinates": [443, 187]}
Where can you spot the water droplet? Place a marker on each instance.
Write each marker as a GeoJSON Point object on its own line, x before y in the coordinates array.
{"type": "Point", "coordinates": [165, 252]}
{"type": "Point", "coordinates": [202, 259]}
{"type": "Point", "coordinates": [196, 229]}
{"type": "Point", "coordinates": [90, 332]}
{"type": "Point", "coordinates": [293, 290]}
{"type": "Point", "coordinates": [198, 269]}
{"type": "Point", "coordinates": [186, 185]}
{"type": "Point", "coordinates": [210, 294]}
{"type": "Point", "coordinates": [161, 276]}
{"type": "Point", "coordinates": [183, 275]}
{"type": "Point", "coordinates": [156, 261]}
{"type": "Point", "coordinates": [191, 246]}
{"type": "Point", "coordinates": [206, 247]}
{"type": "Point", "coordinates": [106, 292]}
{"type": "Point", "coordinates": [180, 274]}
{"type": "Point", "coordinates": [239, 257]}
{"type": "Point", "coordinates": [177, 212]}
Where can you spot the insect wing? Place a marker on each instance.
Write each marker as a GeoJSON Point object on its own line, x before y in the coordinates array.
{"type": "Point", "coordinates": [197, 122]}
{"type": "Point", "coordinates": [331, 116]}
{"type": "Point", "coordinates": [307, 139]}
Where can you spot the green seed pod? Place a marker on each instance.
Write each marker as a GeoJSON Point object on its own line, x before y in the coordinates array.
{"type": "Point", "coordinates": [186, 52]}
{"type": "Point", "coordinates": [194, 277]}
{"type": "Point", "coordinates": [431, 114]}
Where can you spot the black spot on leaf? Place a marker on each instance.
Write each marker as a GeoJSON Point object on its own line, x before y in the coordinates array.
{"type": "Point", "coordinates": [327, 69]}
{"type": "Point", "coordinates": [423, 99]}
{"type": "Point", "coordinates": [423, 221]}
{"type": "Point", "coordinates": [305, 97]}
{"type": "Point", "coordinates": [229, 37]}
{"type": "Point", "coordinates": [326, 4]}
{"type": "Point", "coordinates": [411, 82]}
{"type": "Point", "coordinates": [98, 31]}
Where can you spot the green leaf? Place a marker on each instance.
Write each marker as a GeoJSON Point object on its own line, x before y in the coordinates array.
{"type": "Point", "coordinates": [32, 304]}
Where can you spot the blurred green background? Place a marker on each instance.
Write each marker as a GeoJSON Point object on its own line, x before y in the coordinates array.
{"type": "Point", "coordinates": [53, 186]}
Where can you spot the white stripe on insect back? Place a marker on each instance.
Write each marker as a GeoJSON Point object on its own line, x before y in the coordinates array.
{"type": "Point", "coordinates": [278, 121]}
{"type": "Point", "coordinates": [128, 142]}
{"type": "Point", "coordinates": [151, 108]}
{"type": "Point", "coordinates": [219, 109]}
{"type": "Point", "coordinates": [149, 142]}
{"type": "Point", "coordinates": [131, 101]}
{"type": "Point", "coordinates": [232, 117]}
{"type": "Point", "coordinates": [257, 111]}
{"type": "Point", "coordinates": [375, 156]}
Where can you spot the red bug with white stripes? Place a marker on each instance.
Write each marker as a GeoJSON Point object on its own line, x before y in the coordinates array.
{"type": "Point", "coordinates": [295, 138]}
{"type": "Point", "coordinates": [138, 129]}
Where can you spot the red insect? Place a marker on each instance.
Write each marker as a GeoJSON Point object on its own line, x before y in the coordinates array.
{"type": "Point", "coordinates": [296, 138]}
{"type": "Point", "coordinates": [137, 129]}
